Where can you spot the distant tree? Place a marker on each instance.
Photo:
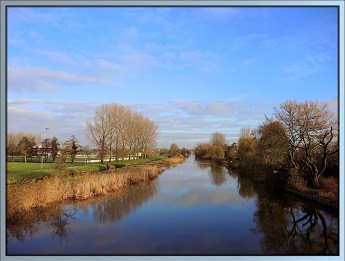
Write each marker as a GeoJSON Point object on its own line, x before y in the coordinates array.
{"type": "Point", "coordinates": [12, 145]}
{"type": "Point", "coordinates": [246, 148]}
{"type": "Point", "coordinates": [174, 149]}
{"type": "Point", "coordinates": [218, 145]}
{"type": "Point", "coordinates": [26, 147]}
{"type": "Point", "coordinates": [163, 151]}
{"type": "Point", "coordinates": [185, 152]}
{"type": "Point", "coordinates": [203, 151]}
{"type": "Point", "coordinates": [218, 139]}
{"type": "Point", "coordinates": [55, 147]}
{"type": "Point", "coordinates": [217, 152]}
{"type": "Point", "coordinates": [232, 151]}
{"type": "Point", "coordinates": [71, 147]}
{"type": "Point", "coordinates": [12, 150]}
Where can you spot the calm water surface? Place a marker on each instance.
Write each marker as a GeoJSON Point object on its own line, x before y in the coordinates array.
{"type": "Point", "coordinates": [196, 208]}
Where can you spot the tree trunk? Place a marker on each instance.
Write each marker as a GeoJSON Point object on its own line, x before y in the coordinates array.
{"type": "Point", "coordinates": [315, 182]}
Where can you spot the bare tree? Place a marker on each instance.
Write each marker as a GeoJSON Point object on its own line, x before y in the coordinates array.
{"type": "Point", "coordinates": [149, 136]}
{"type": "Point", "coordinates": [312, 130]}
{"type": "Point", "coordinates": [118, 129]}
{"type": "Point", "coordinates": [99, 129]}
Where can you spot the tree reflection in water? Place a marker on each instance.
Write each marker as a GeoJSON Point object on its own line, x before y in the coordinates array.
{"type": "Point", "coordinates": [24, 225]}
{"type": "Point", "coordinates": [57, 218]}
{"type": "Point", "coordinates": [246, 187]}
{"type": "Point", "coordinates": [129, 199]}
{"type": "Point", "coordinates": [203, 164]}
{"type": "Point", "coordinates": [288, 226]}
{"type": "Point", "coordinates": [217, 174]}
{"type": "Point", "coordinates": [59, 224]}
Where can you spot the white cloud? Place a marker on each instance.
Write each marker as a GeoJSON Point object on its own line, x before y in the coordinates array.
{"type": "Point", "coordinates": [43, 79]}
{"type": "Point", "coordinates": [190, 122]}
{"type": "Point", "coordinates": [63, 118]}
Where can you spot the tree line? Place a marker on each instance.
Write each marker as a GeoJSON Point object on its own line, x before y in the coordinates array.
{"type": "Point", "coordinates": [301, 138]}
{"type": "Point", "coordinates": [118, 131]}
{"type": "Point", "coordinates": [29, 145]}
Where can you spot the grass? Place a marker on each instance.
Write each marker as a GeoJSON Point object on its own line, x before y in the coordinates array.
{"type": "Point", "coordinates": [18, 170]}
{"type": "Point", "coordinates": [31, 170]}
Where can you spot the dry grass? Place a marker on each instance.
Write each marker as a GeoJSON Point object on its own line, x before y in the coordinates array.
{"type": "Point", "coordinates": [40, 193]}
{"type": "Point", "coordinates": [329, 188]}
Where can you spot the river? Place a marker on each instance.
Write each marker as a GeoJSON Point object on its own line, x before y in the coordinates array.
{"type": "Point", "coordinates": [196, 208]}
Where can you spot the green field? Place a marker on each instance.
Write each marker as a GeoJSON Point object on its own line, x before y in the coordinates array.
{"type": "Point", "coordinates": [19, 170]}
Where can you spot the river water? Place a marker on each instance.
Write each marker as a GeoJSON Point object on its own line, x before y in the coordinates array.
{"type": "Point", "coordinates": [196, 208]}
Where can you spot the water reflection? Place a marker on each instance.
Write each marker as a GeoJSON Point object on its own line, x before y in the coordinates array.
{"type": "Point", "coordinates": [246, 187]}
{"type": "Point", "coordinates": [59, 224]}
{"type": "Point", "coordinates": [217, 174]}
{"type": "Point", "coordinates": [57, 218]}
{"type": "Point", "coordinates": [115, 208]}
{"type": "Point", "coordinates": [203, 164]}
{"type": "Point", "coordinates": [26, 224]}
{"type": "Point", "coordinates": [290, 226]}
{"type": "Point", "coordinates": [223, 212]}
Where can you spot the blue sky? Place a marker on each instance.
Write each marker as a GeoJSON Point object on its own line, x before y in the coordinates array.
{"type": "Point", "coordinates": [192, 70]}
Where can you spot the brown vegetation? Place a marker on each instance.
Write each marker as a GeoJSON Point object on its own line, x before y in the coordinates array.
{"type": "Point", "coordinates": [42, 192]}
{"type": "Point", "coordinates": [328, 191]}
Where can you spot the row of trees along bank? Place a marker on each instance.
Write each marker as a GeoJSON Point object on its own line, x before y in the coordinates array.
{"type": "Point", "coordinates": [118, 131]}
{"type": "Point", "coordinates": [301, 139]}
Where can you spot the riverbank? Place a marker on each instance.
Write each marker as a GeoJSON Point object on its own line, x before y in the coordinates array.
{"type": "Point", "coordinates": [314, 197]}
{"type": "Point", "coordinates": [79, 185]}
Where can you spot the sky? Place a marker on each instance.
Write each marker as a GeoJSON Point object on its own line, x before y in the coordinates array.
{"type": "Point", "coordinates": [192, 70]}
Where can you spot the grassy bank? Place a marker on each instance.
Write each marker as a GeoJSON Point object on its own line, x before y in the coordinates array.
{"type": "Point", "coordinates": [24, 194]}
{"type": "Point", "coordinates": [16, 171]}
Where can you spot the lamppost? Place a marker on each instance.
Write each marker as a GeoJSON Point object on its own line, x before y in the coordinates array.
{"type": "Point", "coordinates": [46, 150]}
{"type": "Point", "coordinates": [46, 144]}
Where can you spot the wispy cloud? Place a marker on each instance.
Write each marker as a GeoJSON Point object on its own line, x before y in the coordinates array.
{"type": "Point", "coordinates": [43, 79]}
{"type": "Point", "coordinates": [62, 118]}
